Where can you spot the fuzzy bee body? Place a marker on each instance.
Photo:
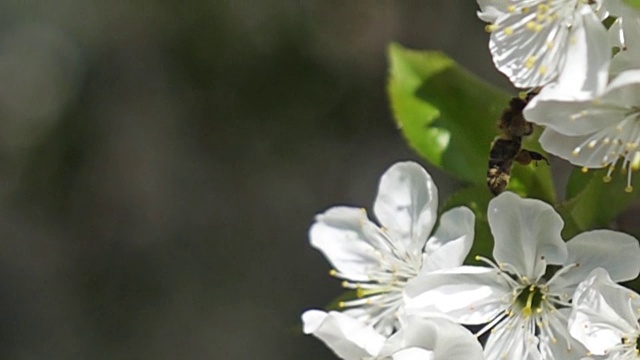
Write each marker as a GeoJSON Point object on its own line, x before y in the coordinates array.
{"type": "Point", "coordinates": [507, 147]}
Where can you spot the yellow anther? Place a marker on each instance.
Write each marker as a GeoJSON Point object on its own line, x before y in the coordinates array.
{"type": "Point", "coordinates": [628, 189]}
{"type": "Point", "coordinates": [531, 60]}
{"type": "Point", "coordinates": [606, 179]}
{"type": "Point", "coordinates": [635, 161]}
{"type": "Point", "coordinates": [524, 10]}
{"type": "Point", "coordinates": [508, 30]}
{"type": "Point", "coordinates": [576, 151]}
{"type": "Point", "coordinates": [543, 8]}
{"type": "Point", "coordinates": [542, 70]}
{"type": "Point", "coordinates": [342, 304]}
{"type": "Point", "coordinates": [490, 28]}
{"type": "Point", "coordinates": [584, 169]}
{"type": "Point", "coordinates": [333, 272]}
{"type": "Point", "coordinates": [511, 8]}
{"type": "Point", "coordinates": [549, 44]}
{"type": "Point", "coordinates": [531, 25]}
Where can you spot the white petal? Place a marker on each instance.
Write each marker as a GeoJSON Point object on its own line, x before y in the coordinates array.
{"type": "Point", "coordinates": [346, 336]}
{"type": "Point", "coordinates": [512, 340]}
{"type": "Point", "coordinates": [585, 71]}
{"type": "Point", "coordinates": [572, 118]}
{"type": "Point", "coordinates": [526, 233]}
{"type": "Point", "coordinates": [624, 90]}
{"type": "Point", "coordinates": [468, 294]}
{"type": "Point", "coordinates": [616, 252]}
{"type": "Point", "coordinates": [489, 14]}
{"type": "Point", "coordinates": [563, 146]}
{"type": "Point", "coordinates": [452, 241]}
{"type": "Point", "coordinates": [528, 52]}
{"type": "Point", "coordinates": [413, 354]}
{"type": "Point", "coordinates": [440, 338]}
{"type": "Point", "coordinates": [565, 347]}
{"type": "Point", "coordinates": [579, 118]}
{"type": "Point", "coordinates": [340, 234]}
{"type": "Point", "coordinates": [490, 10]}
{"type": "Point", "coordinates": [603, 312]}
{"type": "Point", "coordinates": [407, 204]}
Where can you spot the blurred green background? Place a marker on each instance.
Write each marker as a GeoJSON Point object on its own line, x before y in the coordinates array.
{"type": "Point", "coordinates": [161, 163]}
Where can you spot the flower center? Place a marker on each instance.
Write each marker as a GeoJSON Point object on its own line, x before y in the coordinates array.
{"type": "Point", "coordinates": [531, 299]}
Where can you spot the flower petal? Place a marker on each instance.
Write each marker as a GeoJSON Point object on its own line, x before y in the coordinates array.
{"type": "Point", "coordinates": [530, 52]}
{"type": "Point", "coordinates": [452, 241]}
{"type": "Point", "coordinates": [438, 338]}
{"type": "Point", "coordinates": [511, 340]}
{"type": "Point", "coordinates": [623, 90]}
{"type": "Point", "coordinates": [564, 146]}
{"type": "Point", "coordinates": [490, 10]}
{"type": "Point", "coordinates": [616, 252]}
{"type": "Point", "coordinates": [407, 204]}
{"type": "Point", "coordinates": [468, 294]}
{"type": "Point", "coordinates": [564, 347]}
{"type": "Point", "coordinates": [526, 233]}
{"type": "Point", "coordinates": [572, 118]}
{"type": "Point", "coordinates": [585, 70]}
{"type": "Point", "coordinates": [347, 337]}
{"type": "Point", "coordinates": [603, 312]}
{"type": "Point", "coordinates": [340, 234]}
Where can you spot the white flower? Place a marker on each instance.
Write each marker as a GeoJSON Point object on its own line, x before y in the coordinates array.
{"type": "Point", "coordinates": [605, 317]}
{"type": "Point", "coordinates": [378, 261]}
{"type": "Point", "coordinates": [595, 133]}
{"type": "Point", "coordinates": [527, 312]}
{"type": "Point", "coordinates": [417, 339]}
{"type": "Point", "coordinates": [531, 39]}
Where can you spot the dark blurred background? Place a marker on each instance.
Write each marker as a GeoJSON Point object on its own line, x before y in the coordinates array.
{"type": "Point", "coordinates": [161, 162]}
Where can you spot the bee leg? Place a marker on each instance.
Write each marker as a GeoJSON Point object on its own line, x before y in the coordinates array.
{"type": "Point", "coordinates": [536, 156]}
{"type": "Point", "coordinates": [525, 157]}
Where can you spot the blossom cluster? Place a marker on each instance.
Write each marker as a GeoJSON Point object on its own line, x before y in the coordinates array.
{"type": "Point", "coordinates": [589, 100]}
{"type": "Point", "coordinates": [540, 298]}
{"type": "Point", "coordinates": [413, 294]}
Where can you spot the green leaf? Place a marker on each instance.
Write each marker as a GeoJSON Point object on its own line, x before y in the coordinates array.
{"type": "Point", "coordinates": [449, 117]}
{"type": "Point", "coordinates": [633, 3]}
{"type": "Point", "coordinates": [593, 203]}
{"type": "Point", "coordinates": [477, 199]}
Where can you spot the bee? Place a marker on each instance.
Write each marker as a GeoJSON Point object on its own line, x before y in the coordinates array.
{"type": "Point", "coordinates": [507, 147]}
